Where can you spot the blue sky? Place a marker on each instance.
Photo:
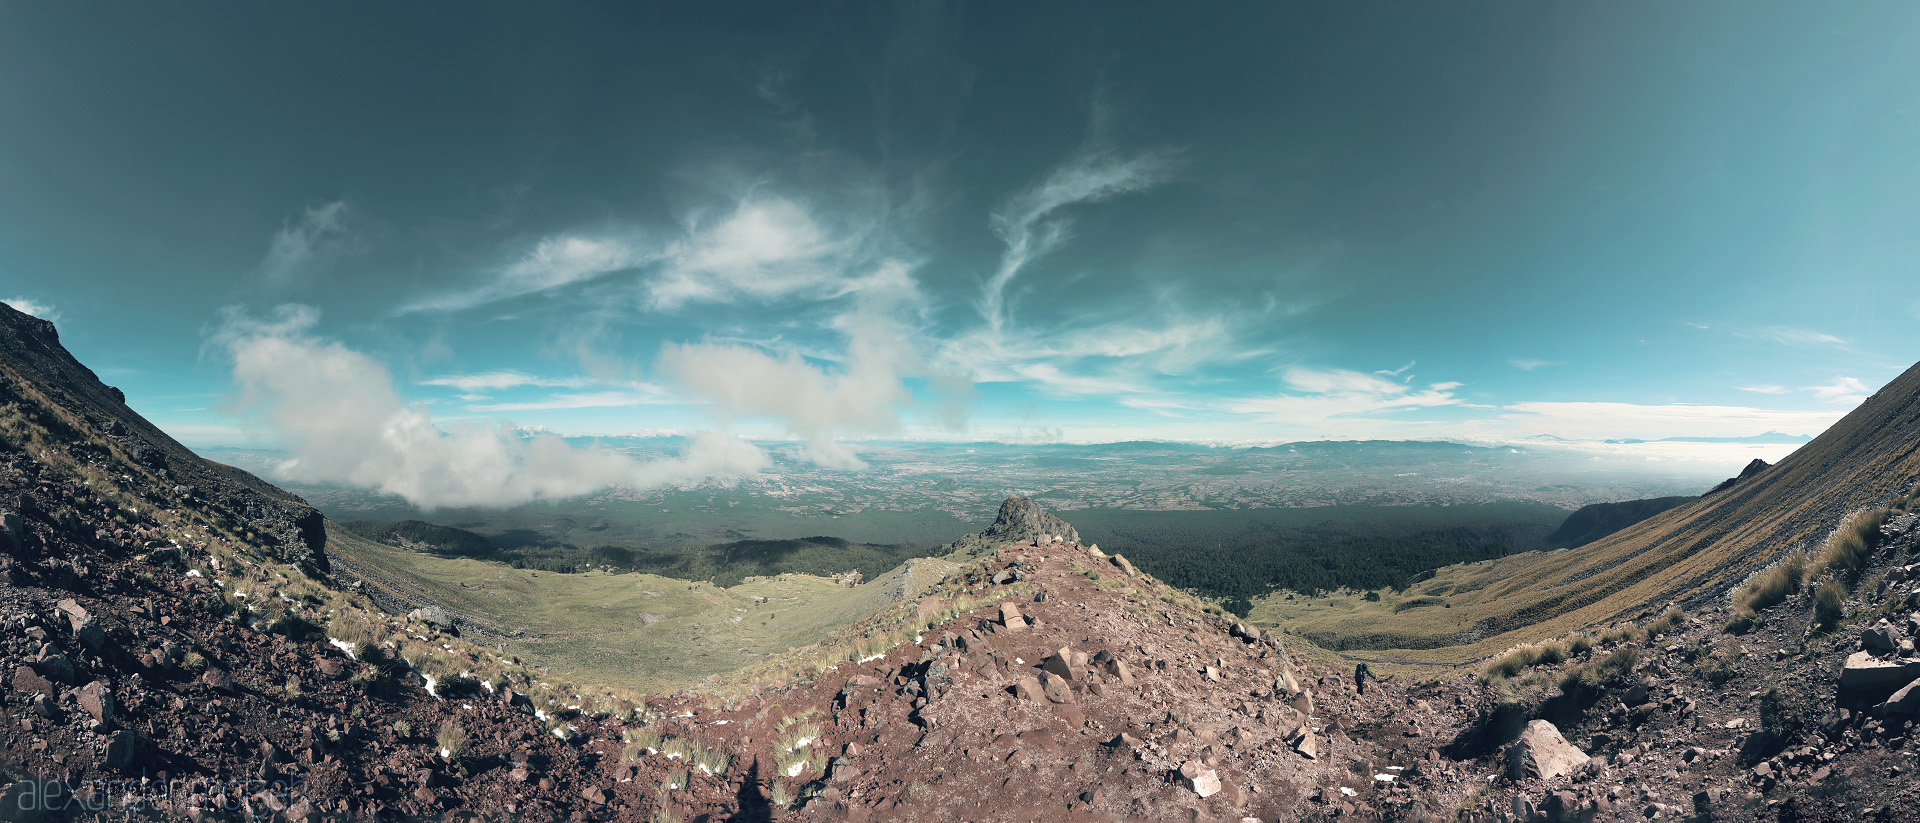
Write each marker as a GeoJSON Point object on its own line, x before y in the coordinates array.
{"type": "Point", "coordinates": [1089, 221]}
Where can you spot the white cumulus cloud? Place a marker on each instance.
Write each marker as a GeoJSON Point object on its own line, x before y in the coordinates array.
{"type": "Point", "coordinates": [38, 309]}
{"type": "Point", "coordinates": [863, 393]}
{"type": "Point", "coordinates": [337, 413]}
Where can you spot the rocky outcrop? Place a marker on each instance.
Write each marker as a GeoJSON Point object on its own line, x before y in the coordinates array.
{"type": "Point", "coordinates": [1020, 521]}
{"type": "Point", "coordinates": [1752, 469]}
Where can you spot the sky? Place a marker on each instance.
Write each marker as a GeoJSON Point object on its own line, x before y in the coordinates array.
{"type": "Point", "coordinates": [363, 230]}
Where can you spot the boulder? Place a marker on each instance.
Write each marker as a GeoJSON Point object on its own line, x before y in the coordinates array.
{"type": "Point", "coordinates": [1061, 664]}
{"type": "Point", "coordinates": [123, 750]}
{"type": "Point", "coordinates": [1542, 752]}
{"type": "Point", "coordinates": [1029, 689]}
{"type": "Point", "coordinates": [217, 680]}
{"type": "Point", "coordinates": [56, 666]}
{"type": "Point", "coordinates": [1304, 743]}
{"type": "Point", "coordinates": [96, 699]}
{"type": "Point", "coordinates": [1904, 701]}
{"type": "Point", "coordinates": [25, 679]}
{"type": "Point", "coordinates": [1203, 781]}
{"type": "Point", "coordinates": [1057, 689]}
{"type": "Point", "coordinates": [1010, 617]}
{"type": "Point", "coordinates": [84, 626]}
{"type": "Point", "coordinates": [1121, 561]}
{"type": "Point", "coordinates": [1867, 675]}
{"type": "Point", "coordinates": [431, 615]}
{"type": "Point", "coordinates": [1881, 637]}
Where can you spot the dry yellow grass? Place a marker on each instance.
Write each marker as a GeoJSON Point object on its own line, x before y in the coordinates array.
{"type": "Point", "coordinates": [1706, 547]}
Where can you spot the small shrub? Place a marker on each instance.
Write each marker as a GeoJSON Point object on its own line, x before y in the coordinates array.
{"type": "Point", "coordinates": [1829, 600]}
{"type": "Point", "coordinates": [1517, 660]}
{"type": "Point", "coordinates": [1716, 666]}
{"type": "Point", "coordinates": [1580, 644]}
{"type": "Point", "coordinates": [453, 740]}
{"type": "Point", "coordinates": [1667, 623]}
{"type": "Point", "coordinates": [1767, 587]}
{"type": "Point", "coordinates": [403, 729]}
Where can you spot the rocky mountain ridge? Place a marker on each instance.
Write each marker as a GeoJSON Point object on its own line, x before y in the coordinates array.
{"type": "Point", "coordinates": [169, 657]}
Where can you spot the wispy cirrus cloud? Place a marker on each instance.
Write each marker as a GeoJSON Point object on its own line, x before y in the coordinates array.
{"type": "Point", "coordinates": [1847, 390]}
{"type": "Point", "coordinates": [1764, 388]}
{"type": "Point", "coordinates": [1031, 223]}
{"type": "Point", "coordinates": [1529, 363]}
{"type": "Point", "coordinates": [1792, 336]}
{"type": "Point", "coordinates": [500, 380]}
{"type": "Point", "coordinates": [319, 233]}
{"type": "Point", "coordinates": [555, 262]}
{"type": "Point", "coordinates": [644, 396]}
{"type": "Point", "coordinates": [1315, 396]}
{"type": "Point", "coordinates": [1594, 420]}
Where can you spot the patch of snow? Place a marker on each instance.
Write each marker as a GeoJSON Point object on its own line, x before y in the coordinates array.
{"type": "Point", "coordinates": [430, 684]}
{"type": "Point", "coordinates": [869, 658]}
{"type": "Point", "coordinates": [1019, 661]}
{"type": "Point", "coordinates": [800, 744]}
{"type": "Point", "coordinates": [1348, 792]}
{"type": "Point", "coordinates": [343, 646]}
{"type": "Point", "coordinates": [560, 732]}
{"type": "Point", "coordinates": [488, 685]}
{"type": "Point", "coordinates": [540, 714]}
{"type": "Point", "coordinates": [721, 722]}
{"type": "Point", "coordinates": [194, 573]}
{"type": "Point", "coordinates": [1384, 778]}
{"type": "Point", "coordinates": [444, 752]}
{"type": "Point", "coordinates": [795, 769]}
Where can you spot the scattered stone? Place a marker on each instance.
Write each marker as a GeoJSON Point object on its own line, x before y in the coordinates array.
{"type": "Point", "coordinates": [217, 680]}
{"type": "Point", "coordinates": [1057, 689]}
{"type": "Point", "coordinates": [1904, 701]}
{"type": "Point", "coordinates": [1881, 637]}
{"type": "Point", "coordinates": [96, 699]}
{"type": "Point", "coordinates": [1869, 676]}
{"type": "Point", "coordinates": [1061, 664]}
{"type": "Point", "coordinates": [1011, 618]}
{"type": "Point", "coordinates": [1203, 781]}
{"type": "Point", "coordinates": [25, 679]}
{"type": "Point", "coordinates": [1304, 743]}
{"type": "Point", "coordinates": [431, 615]}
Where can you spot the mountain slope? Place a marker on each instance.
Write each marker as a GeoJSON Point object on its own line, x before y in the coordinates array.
{"type": "Point", "coordinates": [96, 428]}
{"type": "Point", "coordinates": [1690, 554]}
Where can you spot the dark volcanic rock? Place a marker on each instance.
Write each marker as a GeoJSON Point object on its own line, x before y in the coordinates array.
{"type": "Point", "coordinates": [1753, 468]}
